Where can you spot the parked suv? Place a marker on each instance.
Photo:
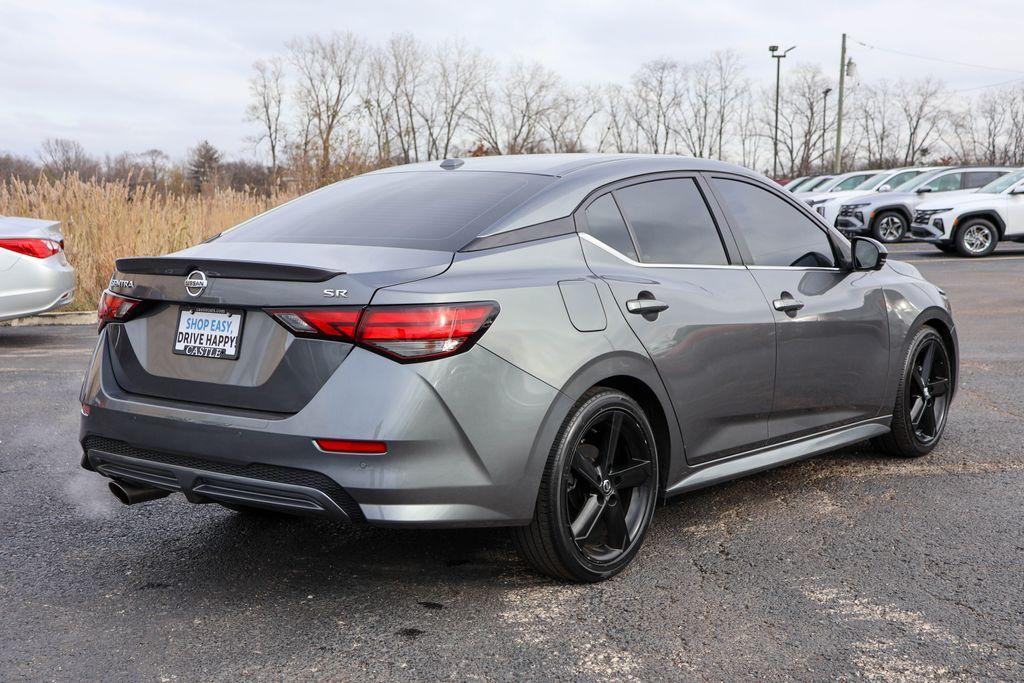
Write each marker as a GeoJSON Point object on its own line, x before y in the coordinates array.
{"type": "Point", "coordinates": [886, 217]}
{"type": "Point", "coordinates": [827, 204]}
{"type": "Point", "coordinates": [973, 224]}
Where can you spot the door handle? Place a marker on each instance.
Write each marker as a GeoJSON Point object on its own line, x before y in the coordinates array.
{"type": "Point", "coordinates": [787, 304]}
{"type": "Point", "coordinates": [645, 306]}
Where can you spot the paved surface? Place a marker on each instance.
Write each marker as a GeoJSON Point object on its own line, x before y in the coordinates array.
{"type": "Point", "coordinates": [848, 566]}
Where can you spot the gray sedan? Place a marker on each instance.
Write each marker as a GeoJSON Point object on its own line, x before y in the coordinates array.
{"type": "Point", "coordinates": [548, 343]}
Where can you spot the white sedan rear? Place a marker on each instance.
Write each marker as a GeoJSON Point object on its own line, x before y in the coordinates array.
{"type": "Point", "coordinates": [35, 275]}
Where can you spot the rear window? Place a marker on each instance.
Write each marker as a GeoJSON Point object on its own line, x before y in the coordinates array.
{"type": "Point", "coordinates": [441, 210]}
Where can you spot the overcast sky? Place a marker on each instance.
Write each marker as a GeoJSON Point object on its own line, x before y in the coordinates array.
{"type": "Point", "coordinates": [119, 75]}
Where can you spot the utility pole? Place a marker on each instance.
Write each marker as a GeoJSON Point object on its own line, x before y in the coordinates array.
{"type": "Point", "coordinates": [774, 49]}
{"type": "Point", "coordinates": [824, 123]}
{"type": "Point", "coordinates": [837, 162]}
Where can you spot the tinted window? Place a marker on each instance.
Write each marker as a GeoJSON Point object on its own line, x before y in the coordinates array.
{"type": "Point", "coordinates": [901, 178]}
{"type": "Point", "coordinates": [776, 233]}
{"type": "Point", "coordinates": [442, 210]}
{"type": "Point", "coordinates": [605, 223]}
{"type": "Point", "coordinates": [945, 183]}
{"type": "Point", "coordinates": [974, 179]}
{"type": "Point", "coordinates": [671, 222]}
{"type": "Point", "coordinates": [850, 183]}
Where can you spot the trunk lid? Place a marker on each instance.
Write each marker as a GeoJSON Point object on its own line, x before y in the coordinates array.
{"type": "Point", "coordinates": [275, 371]}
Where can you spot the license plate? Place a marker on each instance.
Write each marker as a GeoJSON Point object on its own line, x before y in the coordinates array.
{"type": "Point", "coordinates": [209, 333]}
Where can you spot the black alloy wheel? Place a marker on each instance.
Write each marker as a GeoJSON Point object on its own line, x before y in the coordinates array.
{"type": "Point", "coordinates": [928, 397]}
{"type": "Point", "coordinates": [922, 401]}
{"type": "Point", "coordinates": [598, 493]}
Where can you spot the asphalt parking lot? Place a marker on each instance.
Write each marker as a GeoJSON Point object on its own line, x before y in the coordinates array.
{"type": "Point", "coordinates": [851, 565]}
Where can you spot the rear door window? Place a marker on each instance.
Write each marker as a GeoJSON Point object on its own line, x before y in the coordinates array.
{"type": "Point", "coordinates": [671, 223]}
{"type": "Point", "coordinates": [976, 179]}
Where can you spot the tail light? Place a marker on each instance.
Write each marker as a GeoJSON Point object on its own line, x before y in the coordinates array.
{"type": "Point", "coordinates": [115, 308]}
{"type": "Point", "coordinates": [404, 333]}
{"type": "Point", "coordinates": [30, 246]}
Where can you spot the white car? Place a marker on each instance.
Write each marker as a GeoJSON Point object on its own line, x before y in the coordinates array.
{"type": "Point", "coordinates": [973, 224]}
{"type": "Point", "coordinates": [35, 275]}
{"type": "Point", "coordinates": [828, 204]}
{"type": "Point", "coordinates": [886, 216]}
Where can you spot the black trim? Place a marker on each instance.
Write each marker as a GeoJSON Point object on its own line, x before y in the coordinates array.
{"type": "Point", "coordinates": [256, 471]}
{"type": "Point", "coordinates": [530, 233]}
{"type": "Point", "coordinates": [239, 270]}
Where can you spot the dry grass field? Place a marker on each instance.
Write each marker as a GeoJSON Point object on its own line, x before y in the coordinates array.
{"type": "Point", "coordinates": [104, 221]}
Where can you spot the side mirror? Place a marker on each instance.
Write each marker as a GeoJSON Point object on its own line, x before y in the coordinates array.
{"type": "Point", "coordinates": [922, 190]}
{"type": "Point", "coordinates": [885, 188]}
{"type": "Point", "coordinates": [1017, 190]}
{"type": "Point", "coordinates": [868, 254]}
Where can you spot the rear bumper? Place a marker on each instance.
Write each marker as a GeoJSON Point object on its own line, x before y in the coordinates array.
{"type": "Point", "coordinates": [209, 481]}
{"type": "Point", "coordinates": [467, 442]}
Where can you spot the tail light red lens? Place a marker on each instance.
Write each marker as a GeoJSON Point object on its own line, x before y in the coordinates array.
{"type": "Point", "coordinates": [404, 333]}
{"type": "Point", "coordinates": [115, 308]}
{"type": "Point", "coordinates": [424, 332]}
{"type": "Point", "coordinates": [36, 248]}
{"type": "Point", "coordinates": [331, 323]}
{"type": "Point", "coordinates": [351, 446]}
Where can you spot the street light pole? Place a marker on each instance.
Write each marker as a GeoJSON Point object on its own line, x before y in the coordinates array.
{"type": "Point", "coordinates": [774, 49]}
{"type": "Point", "coordinates": [824, 123]}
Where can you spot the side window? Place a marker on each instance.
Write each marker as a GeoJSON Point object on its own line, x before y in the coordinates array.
{"type": "Point", "coordinates": [945, 183]}
{"type": "Point", "coordinates": [851, 182]}
{"type": "Point", "coordinates": [976, 179]}
{"type": "Point", "coordinates": [605, 223]}
{"type": "Point", "coordinates": [776, 233]}
{"type": "Point", "coordinates": [901, 178]}
{"type": "Point", "coordinates": [671, 223]}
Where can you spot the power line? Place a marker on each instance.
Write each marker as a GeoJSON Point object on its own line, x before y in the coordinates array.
{"type": "Point", "coordinates": [990, 85]}
{"type": "Point", "coordinates": [936, 59]}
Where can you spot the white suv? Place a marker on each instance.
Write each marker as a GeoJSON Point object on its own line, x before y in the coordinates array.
{"type": "Point", "coordinates": [973, 224]}
{"type": "Point", "coordinates": [827, 204]}
{"type": "Point", "coordinates": [886, 217]}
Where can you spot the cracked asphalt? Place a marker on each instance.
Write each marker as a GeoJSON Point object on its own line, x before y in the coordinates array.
{"type": "Point", "coordinates": [848, 566]}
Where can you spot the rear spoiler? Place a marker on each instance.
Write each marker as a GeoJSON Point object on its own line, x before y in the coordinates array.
{"type": "Point", "coordinates": [240, 270]}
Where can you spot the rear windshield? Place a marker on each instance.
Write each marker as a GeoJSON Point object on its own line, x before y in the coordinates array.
{"type": "Point", "coordinates": [441, 210]}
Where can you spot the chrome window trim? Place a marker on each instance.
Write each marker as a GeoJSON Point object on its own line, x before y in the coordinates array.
{"type": "Point", "coordinates": [825, 268]}
{"type": "Point", "coordinates": [622, 257]}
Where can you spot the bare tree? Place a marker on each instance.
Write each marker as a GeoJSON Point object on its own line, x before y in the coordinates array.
{"type": "Point", "coordinates": [568, 118]}
{"type": "Point", "coordinates": [877, 117]}
{"type": "Point", "coordinates": [619, 131]}
{"type": "Point", "coordinates": [328, 77]}
{"type": "Point", "coordinates": [919, 103]}
{"type": "Point", "coordinates": [731, 86]}
{"type": "Point", "coordinates": [61, 156]}
{"type": "Point", "coordinates": [507, 117]}
{"type": "Point", "coordinates": [267, 90]}
{"type": "Point", "coordinates": [658, 90]}
{"type": "Point", "coordinates": [378, 106]}
{"type": "Point", "coordinates": [457, 75]}
{"type": "Point", "coordinates": [800, 118]}
{"type": "Point", "coordinates": [403, 76]}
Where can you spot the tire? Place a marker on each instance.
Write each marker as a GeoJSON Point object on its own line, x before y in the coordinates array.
{"type": "Point", "coordinates": [889, 227]}
{"type": "Point", "coordinates": [591, 515]}
{"type": "Point", "coordinates": [909, 436]}
{"type": "Point", "coordinates": [976, 237]}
